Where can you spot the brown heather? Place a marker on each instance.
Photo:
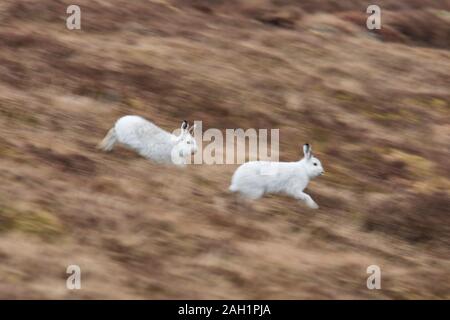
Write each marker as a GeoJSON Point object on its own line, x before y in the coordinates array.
{"type": "Point", "coordinates": [375, 107]}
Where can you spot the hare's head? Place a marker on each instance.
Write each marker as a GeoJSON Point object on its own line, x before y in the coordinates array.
{"type": "Point", "coordinates": [186, 144]}
{"type": "Point", "coordinates": [312, 165]}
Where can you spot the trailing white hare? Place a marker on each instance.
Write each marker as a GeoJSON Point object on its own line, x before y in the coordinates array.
{"type": "Point", "coordinates": [256, 178]}
{"type": "Point", "coordinates": [150, 141]}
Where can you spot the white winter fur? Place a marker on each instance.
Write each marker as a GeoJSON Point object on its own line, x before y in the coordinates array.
{"type": "Point", "coordinates": [256, 178]}
{"type": "Point", "coordinates": [150, 141]}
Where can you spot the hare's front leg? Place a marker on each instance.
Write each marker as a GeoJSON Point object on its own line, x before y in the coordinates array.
{"type": "Point", "coordinates": [307, 199]}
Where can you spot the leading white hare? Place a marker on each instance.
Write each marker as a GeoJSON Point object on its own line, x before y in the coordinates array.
{"type": "Point", "coordinates": [256, 178]}
{"type": "Point", "coordinates": [150, 141]}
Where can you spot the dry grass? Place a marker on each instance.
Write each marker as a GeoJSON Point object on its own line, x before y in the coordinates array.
{"type": "Point", "coordinates": [375, 111]}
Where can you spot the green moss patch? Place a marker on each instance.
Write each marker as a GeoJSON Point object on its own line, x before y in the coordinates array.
{"type": "Point", "coordinates": [40, 223]}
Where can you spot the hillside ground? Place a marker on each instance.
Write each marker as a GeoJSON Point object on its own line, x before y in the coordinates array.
{"type": "Point", "coordinates": [374, 105]}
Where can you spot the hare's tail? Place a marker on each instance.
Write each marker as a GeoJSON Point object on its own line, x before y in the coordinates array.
{"type": "Point", "coordinates": [108, 142]}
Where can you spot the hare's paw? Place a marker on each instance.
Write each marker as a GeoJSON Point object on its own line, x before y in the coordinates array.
{"type": "Point", "coordinates": [312, 204]}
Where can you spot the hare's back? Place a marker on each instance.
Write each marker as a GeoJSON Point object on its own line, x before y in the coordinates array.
{"type": "Point", "coordinates": [133, 130]}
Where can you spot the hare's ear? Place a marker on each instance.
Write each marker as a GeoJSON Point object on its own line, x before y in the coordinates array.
{"type": "Point", "coordinates": [184, 125]}
{"type": "Point", "coordinates": [307, 151]}
{"type": "Point", "coordinates": [191, 129]}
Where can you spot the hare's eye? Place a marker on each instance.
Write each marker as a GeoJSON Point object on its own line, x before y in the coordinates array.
{"type": "Point", "coordinates": [188, 142]}
{"type": "Point", "coordinates": [315, 163]}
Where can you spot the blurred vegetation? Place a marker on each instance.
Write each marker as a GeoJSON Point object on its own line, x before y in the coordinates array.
{"type": "Point", "coordinates": [374, 106]}
{"type": "Point", "coordinates": [40, 223]}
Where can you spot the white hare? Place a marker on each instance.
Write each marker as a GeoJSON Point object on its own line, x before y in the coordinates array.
{"type": "Point", "coordinates": [256, 178]}
{"type": "Point", "coordinates": [150, 141]}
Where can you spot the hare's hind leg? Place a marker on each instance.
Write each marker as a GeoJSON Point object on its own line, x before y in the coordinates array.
{"type": "Point", "coordinates": [244, 201]}
{"type": "Point", "coordinates": [240, 204]}
{"type": "Point", "coordinates": [108, 142]}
